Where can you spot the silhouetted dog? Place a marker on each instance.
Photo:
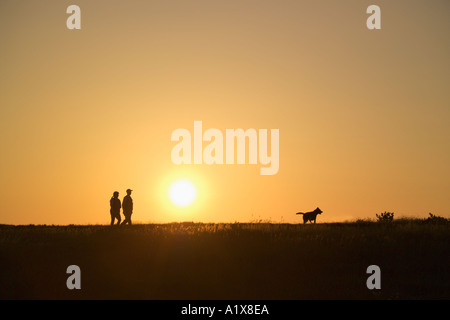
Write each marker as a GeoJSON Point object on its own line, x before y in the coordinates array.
{"type": "Point", "coordinates": [310, 216]}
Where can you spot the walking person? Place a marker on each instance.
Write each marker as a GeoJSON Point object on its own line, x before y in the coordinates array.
{"type": "Point", "coordinates": [127, 207]}
{"type": "Point", "coordinates": [115, 208]}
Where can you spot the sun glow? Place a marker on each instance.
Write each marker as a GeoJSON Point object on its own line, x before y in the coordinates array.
{"type": "Point", "coordinates": [182, 193]}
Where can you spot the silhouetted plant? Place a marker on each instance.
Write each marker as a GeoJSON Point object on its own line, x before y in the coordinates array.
{"type": "Point", "coordinates": [385, 217]}
{"type": "Point", "coordinates": [436, 219]}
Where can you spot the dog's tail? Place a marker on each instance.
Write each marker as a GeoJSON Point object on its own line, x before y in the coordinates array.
{"type": "Point", "coordinates": [300, 213]}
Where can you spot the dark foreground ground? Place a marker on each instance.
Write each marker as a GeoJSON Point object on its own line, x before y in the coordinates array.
{"type": "Point", "coordinates": [227, 261]}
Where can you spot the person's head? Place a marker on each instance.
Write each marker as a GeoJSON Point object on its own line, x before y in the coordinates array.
{"type": "Point", "coordinates": [129, 191]}
{"type": "Point", "coordinates": [115, 194]}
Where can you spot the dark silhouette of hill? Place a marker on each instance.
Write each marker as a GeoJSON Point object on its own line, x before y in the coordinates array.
{"type": "Point", "coordinates": [227, 261]}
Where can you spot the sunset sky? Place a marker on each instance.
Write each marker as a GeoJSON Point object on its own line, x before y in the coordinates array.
{"type": "Point", "coordinates": [363, 115]}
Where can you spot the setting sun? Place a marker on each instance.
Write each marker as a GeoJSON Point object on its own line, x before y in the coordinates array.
{"type": "Point", "coordinates": [182, 193]}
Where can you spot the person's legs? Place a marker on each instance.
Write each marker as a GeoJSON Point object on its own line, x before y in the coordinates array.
{"type": "Point", "coordinates": [127, 220]}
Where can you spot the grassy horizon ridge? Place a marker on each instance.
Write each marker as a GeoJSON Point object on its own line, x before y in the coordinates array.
{"type": "Point", "coordinates": [189, 260]}
{"type": "Point", "coordinates": [400, 220]}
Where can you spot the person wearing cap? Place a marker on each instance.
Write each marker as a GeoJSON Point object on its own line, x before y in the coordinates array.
{"type": "Point", "coordinates": [127, 207]}
{"type": "Point", "coordinates": [115, 208]}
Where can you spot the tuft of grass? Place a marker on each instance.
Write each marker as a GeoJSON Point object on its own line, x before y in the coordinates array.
{"type": "Point", "coordinates": [385, 217]}
{"type": "Point", "coordinates": [436, 219]}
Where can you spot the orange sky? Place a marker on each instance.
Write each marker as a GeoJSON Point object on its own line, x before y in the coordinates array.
{"type": "Point", "coordinates": [363, 115]}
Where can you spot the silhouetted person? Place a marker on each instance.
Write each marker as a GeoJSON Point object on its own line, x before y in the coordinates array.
{"type": "Point", "coordinates": [127, 207]}
{"type": "Point", "coordinates": [115, 208]}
